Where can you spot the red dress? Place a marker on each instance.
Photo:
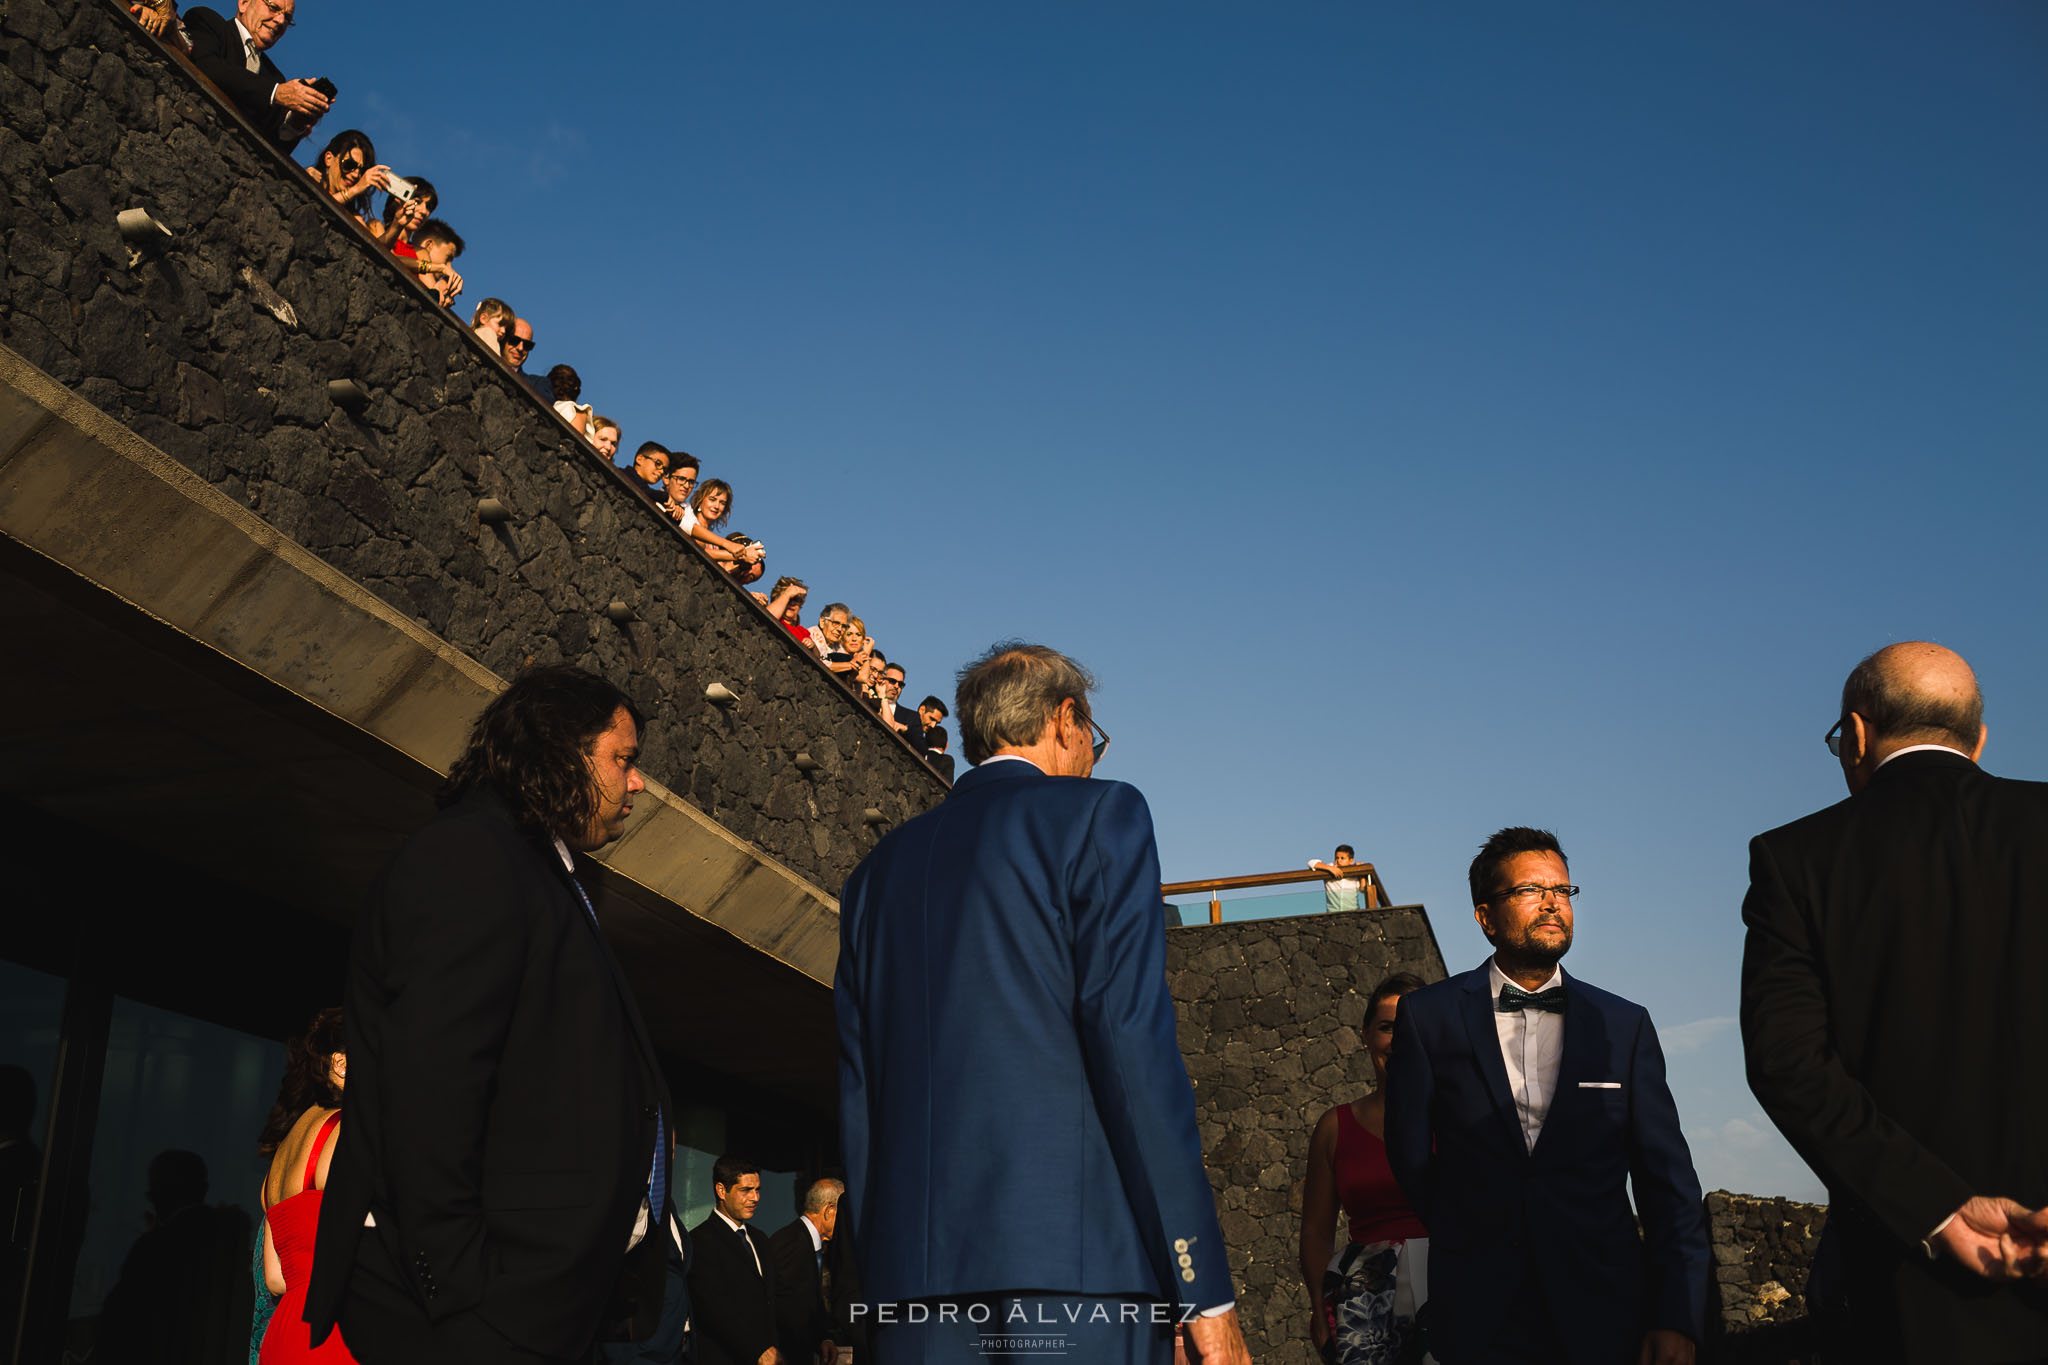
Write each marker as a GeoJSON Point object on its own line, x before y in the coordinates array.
{"type": "Point", "coordinates": [293, 1222]}
{"type": "Point", "coordinates": [1366, 1188]}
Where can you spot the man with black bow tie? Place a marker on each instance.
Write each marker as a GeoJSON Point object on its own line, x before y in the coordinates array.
{"type": "Point", "coordinates": [1521, 1104]}
{"type": "Point", "coordinates": [732, 1278]}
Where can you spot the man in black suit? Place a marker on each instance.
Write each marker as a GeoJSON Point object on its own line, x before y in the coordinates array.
{"type": "Point", "coordinates": [935, 742]}
{"type": "Point", "coordinates": [1895, 1026]}
{"type": "Point", "coordinates": [732, 1277]}
{"type": "Point", "coordinates": [235, 55]}
{"type": "Point", "coordinates": [890, 685]}
{"type": "Point", "coordinates": [803, 1303]}
{"type": "Point", "coordinates": [499, 1191]}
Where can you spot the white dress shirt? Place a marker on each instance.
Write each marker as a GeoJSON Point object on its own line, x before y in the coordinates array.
{"type": "Point", "coordinates": [1532, 1045]}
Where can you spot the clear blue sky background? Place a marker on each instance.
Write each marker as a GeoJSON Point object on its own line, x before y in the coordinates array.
{"type": "Point", "coordinates": [1424, 418]}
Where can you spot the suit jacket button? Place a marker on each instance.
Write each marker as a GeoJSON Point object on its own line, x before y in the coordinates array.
{"type": "Point", "coordinates": [648, 1111]}
{"type": "Point", "coordinates": [1188, 1275]}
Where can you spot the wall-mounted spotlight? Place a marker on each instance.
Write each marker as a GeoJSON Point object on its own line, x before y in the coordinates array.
{"type": "Point", "coordinates": [145, 235]}
{"type": "Point", "coordinates": [347, 395]}
{"type": "Point", "coordinates": [874, 816]}
{"type": "Point", "coordinates": [491, 512]}
{"type": "Point", "coordinates": [718, 694]}
{"type": "Point", "coordinates": [618, 611]}
{"type": "Point", "coordinates": [806, 764]}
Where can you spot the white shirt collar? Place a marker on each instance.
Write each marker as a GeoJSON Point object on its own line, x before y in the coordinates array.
{"type": "Point", "coordinates": [1919, 749]}
{"type": "Point", "coordinates": [727, 1221]}
{"type": "Point", "coordinates": [817, 1242]}
{"type": "Point", "coordinates": [1498, 978]}
{"type": "Point", "coordinates": [247, 37]}
{"type": "Point", "coordinates": [563, 849]}
{"type": "Point", "coordinates": [1007, 758]}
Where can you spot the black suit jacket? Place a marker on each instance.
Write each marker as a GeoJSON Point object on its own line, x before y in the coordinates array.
{"type": "Point", "coordinates": [501, 1100]}
{"type": "Point", "coordinates": [942, 762]}
{"type": "Point", "coordinates": [217, 52]}
{"type": "Point", "coordinates": [1896, 1032]}
{"type": "Point", "coordinates": [907, 717]}
{"type": "Point", "coordinates": [802, 1317]}
{"type": "Point", "coordinates": [733, 1304]}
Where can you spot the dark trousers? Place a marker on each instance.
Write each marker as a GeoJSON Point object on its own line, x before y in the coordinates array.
{"type": "Point", "coordinates": [384, 1325]}
{"type": "Point", "coordinates": [1078, 1329]}
{"type": "Point", "coordinates": [665, 1347]}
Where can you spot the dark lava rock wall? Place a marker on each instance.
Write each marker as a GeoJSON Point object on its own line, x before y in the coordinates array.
{"type": "Point", "coordinates": [1269, 1016]}
{"type": "Point", "coordinates": [1757, 1312]}
{"type": "Point", "coordinates": [219, 349]}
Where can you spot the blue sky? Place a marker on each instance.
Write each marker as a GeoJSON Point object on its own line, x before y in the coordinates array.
{"type": "Point", "coordinates": [1423, 419]}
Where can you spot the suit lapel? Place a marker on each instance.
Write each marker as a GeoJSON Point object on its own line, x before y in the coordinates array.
{"type": "Point", "coordinates": [604, 951]}
{"type": "Point", "coordinates": [1578, 1060]}
{"type": "Point", "coordinates": [1485, 1040]}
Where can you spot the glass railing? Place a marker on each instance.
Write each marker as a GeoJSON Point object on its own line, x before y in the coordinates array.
{"type": "Point", "coordinates": [1275, 895]}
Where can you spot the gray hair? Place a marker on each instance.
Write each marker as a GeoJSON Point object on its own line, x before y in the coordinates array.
{"type": "Point", "coordinates": [823, 1195]}
{"type": "Point", "coordinates": [1006, 696]}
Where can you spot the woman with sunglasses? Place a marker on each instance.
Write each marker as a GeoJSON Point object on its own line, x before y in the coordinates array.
{"type": "Point", "coordinates": [345, 172]}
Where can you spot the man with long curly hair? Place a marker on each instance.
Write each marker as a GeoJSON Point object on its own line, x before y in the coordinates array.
{"type": "Point", "coordinates": [506, 1152]}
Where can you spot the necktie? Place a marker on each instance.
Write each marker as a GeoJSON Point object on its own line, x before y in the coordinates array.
{"type": "Point", "coordinates": [1513, 999]}
{"type": "Point", "coordinates": [657, 1173]}
{"type": "Point", "coordinates": [750, 1248]}
{"type": "Point", "coordinates": [251, 60]}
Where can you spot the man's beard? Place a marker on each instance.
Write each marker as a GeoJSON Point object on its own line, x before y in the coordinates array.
{"type": "Point", "coordinates": [1531, 953]}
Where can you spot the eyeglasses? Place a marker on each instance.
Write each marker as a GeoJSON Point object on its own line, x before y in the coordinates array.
{"type": "Point", "coordinates": [888, 681]}
{"type": "Point", "coordinates": [1833, 738]}
{"type": "Point", "coordinates": [1101, 738]}
{"type": "Point", "coordinates": [1530, 891]}
{"type": "Point", "coordinates": [352, 163]}
{"type": "Point", "coordinates": [523, 343]}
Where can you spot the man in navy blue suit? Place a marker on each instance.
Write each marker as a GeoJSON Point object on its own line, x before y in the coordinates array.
{"type": "Point", "coordinates": [1521, 1103]}
{"type": "Point", "coordinates": [1019, 1133]}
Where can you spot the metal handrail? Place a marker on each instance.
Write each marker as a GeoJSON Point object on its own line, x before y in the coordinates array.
{"type": "Point", "coordinates": [1376, 897]}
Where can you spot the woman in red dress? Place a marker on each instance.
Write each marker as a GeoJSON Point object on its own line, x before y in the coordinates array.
{"type": "Point", "coordinates": [1359, 1316]}
{"type": "Point", "coordinates": [299, 1137]}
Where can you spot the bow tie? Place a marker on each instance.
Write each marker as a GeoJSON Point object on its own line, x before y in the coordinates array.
{"type": "Point", "coordinates": [1513, 999]}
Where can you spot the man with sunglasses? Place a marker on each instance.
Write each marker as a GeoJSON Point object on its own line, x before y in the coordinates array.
{"type": "Point", "coordinates": [1895, 1027]}
{"type": "Point", "coordinates": [1523, 1105]}
{"type": "Point", "coordinates": [1017, 1125]}
{"type": "Point", "coordinates": [235, 55]}
{"type": "Point", "coordinates": [518, 350]}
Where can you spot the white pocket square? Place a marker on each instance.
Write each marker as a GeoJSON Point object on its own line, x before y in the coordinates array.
{"type": "Point", "coordinates": [1599, 1085]}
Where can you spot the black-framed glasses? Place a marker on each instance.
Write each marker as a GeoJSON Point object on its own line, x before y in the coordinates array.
{"type": "Point", "coordinates": [1531, 891]}
{"type": "Point", "coordinates": [1833, 738]}
{"type": "Point", "coordinates": [352, 164]}
{"type": "Point", "coordinates": [525, 343]}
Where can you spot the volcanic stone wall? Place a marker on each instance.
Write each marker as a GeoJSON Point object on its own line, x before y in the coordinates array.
{"type": "Point", "coordinates": [1756, 1300]}
{"type": "Point", "coordinates": [219, 349]}
{"type": "Point", "coordinates": [1269, 1015]}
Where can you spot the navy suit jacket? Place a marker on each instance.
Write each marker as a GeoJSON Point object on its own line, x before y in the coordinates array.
{"type": "Point", "coordinates": [1497, 1211]}
{"type": "Point", "coordinates": [1015, 1112]}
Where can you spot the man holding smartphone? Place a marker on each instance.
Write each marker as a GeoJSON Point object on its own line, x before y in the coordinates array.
{"type": "Point", "coordinates": [235, 56]}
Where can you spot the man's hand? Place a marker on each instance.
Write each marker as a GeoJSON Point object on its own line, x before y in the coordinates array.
{"type": "Point", "coordinates": [1998, 1238]}
{"type": "Point", "coordinates": [1218, 1340]}
{"type": "Point", "coordinates": [1662, 1346]}
{"type": "Point", "coordinates": [301, 98]}
{"type": "Point", "coordinates": [768, 1357]}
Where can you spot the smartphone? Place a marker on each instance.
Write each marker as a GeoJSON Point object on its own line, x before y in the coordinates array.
{"type": "Point", "coordinates": [324, 86]}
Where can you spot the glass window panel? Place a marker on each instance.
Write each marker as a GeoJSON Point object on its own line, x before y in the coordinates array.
{"type": "Point", "coordinates": [31, 1016]}
{"type": "Point", "coordinates": [176, 1188]}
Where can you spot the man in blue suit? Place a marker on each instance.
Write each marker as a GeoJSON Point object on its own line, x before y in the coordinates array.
{"type": "Point", "coordinates": [1017, 1124]}
{"type": "Point", "coordinates": [1520, 1103]}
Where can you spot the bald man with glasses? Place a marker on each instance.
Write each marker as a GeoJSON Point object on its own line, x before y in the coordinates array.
{"type": "Point", "coordinates": [1895, 1027]}
{"type": "Point", "coordinates": [1523, 1107]}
